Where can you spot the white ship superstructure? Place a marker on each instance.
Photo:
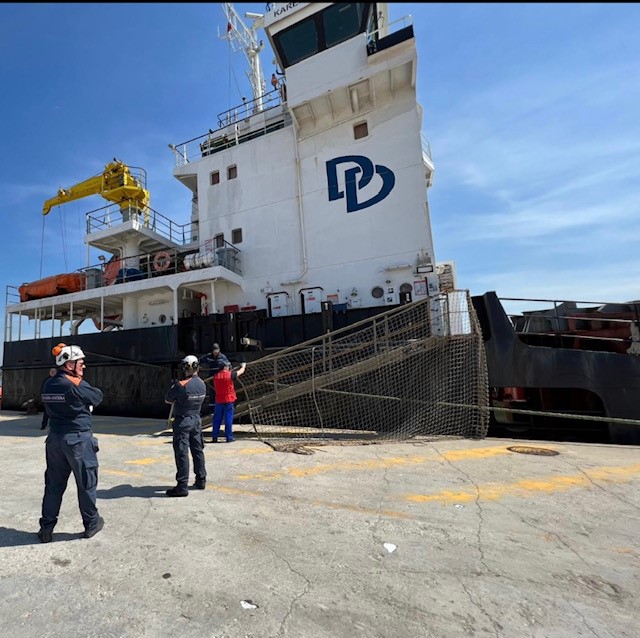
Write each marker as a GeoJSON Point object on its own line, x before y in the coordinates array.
{"type": "Point", "coordinates": [324, 194]}
{"type": "Point", "coordinates": [313, 191]}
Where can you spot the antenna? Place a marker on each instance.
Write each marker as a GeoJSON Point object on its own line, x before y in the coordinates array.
{"type": "Point", "coordinates": [243, 38]}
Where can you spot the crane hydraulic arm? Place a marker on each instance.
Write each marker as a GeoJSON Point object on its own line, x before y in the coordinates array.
{"type": "Point", "coordinates": [115, 184]}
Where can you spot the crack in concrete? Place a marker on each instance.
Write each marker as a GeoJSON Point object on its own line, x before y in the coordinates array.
{"type": "Point", "coordinates": [275, 553]}
{"type": "Point", "coordinates": [600, 487]}
{"type": "Point", "coordinates": [546, 531]}
{"type": "Point", "coordinates": [584, 620]}
{"type": "Point", "coordinates": [237, 528]}
{"type": "Point", "coordinates": [232, 468]}
{"type": "Point", "coordinates": [295, 571]}
{"type": "Point", "coordinates": [494, 623]}
{"type": "Point", "coordinates": [478, 509]}
{"type": "Point", "coordinates": [141, 521]}
{"type": "Point", "coordinates": [376, 523]}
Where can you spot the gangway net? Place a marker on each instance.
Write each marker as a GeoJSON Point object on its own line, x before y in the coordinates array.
{"type": "Point", "coordinates": [416, 371]}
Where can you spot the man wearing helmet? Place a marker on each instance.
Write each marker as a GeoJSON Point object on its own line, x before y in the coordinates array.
{"type": "Point", "coordinates": [187, 397]}
{"type": "Point", "coordinates": [70, 447]}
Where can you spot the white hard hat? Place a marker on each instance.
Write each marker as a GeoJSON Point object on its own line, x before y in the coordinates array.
{"type": "Point", "coordinates": [190, 362]}
{"type": "Point", "coordinates": [63, 353]}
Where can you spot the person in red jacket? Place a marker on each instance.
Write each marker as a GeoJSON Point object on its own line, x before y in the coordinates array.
{"type": "Point", "coordinates": [225, 399]}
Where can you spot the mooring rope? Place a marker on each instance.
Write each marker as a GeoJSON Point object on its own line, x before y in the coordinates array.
{"type": "Point", "coordinates": [561, 415]}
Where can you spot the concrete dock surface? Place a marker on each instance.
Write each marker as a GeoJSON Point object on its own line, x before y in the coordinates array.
{"type": "Point", "coordinates": [424, 538]}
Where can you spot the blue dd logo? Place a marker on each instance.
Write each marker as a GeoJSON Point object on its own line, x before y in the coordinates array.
{"type": "Point", "coordinates": [353, 185]}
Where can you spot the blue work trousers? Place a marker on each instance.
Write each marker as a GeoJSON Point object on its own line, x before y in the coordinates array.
{"type": "Point", "coordinates": [187, 435]}
{"type": "Point", "coordinates": [75, 452]}
{"type": "Point", "coordinates": [223, 412]}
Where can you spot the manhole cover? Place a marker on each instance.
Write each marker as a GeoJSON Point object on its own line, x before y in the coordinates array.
{"type": "Point", "coordinates": [538, 451]}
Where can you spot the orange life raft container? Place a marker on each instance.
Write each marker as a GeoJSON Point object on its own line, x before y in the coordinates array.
{"type": "Point", "coordinates": [52, 286]}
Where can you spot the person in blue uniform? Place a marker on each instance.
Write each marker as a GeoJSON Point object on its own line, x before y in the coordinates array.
{"type": "Point", "coordinates": [187, 397]}
{"type": "Point", "coordinates": [70, 446]}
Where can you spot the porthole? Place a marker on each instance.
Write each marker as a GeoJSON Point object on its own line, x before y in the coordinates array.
{"type": "Point", "coordinates": [377, 292]}
{"type": "Point", "coordinates": [162, 318]}
{"type": "Point", "coordinates": [406, 288]}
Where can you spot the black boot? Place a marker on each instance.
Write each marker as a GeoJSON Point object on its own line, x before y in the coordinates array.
{"type": "Point", "coordinates": [45, 537]}
{"type": "Point", "coordinates": [90, 533]}
{"type": "Point", "coordinates": [178, 491]}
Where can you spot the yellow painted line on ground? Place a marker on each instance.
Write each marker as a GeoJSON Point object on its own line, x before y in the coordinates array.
{"type": "Point", "coordinates": [630, 551]}
{"type": "Point", "coordinates": [150, 460]}
{"type": "Point", "coordinates": [121, 473]}
{"type": "Point", "coordinates": [314, 502]}
{"type": "Point", "coordinates": [302, 472]}
{"type": "Point", "coordinates": [148, 441]}
{"type": "Point", "coordinates": [266, 450]}
{"type": "Point", "coordinates": [532, 487]}
{"type": "Point", "coordinates": [376, 464]}
{"type": "Point", "coordinates": [305, 501]}
{"type": "Point", "coordinates": [475, 453]}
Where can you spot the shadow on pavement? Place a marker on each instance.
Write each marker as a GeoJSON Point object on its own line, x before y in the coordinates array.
{"type": "Point", "coordinates": [10, 537]}
{"type": "Point", "coordinates": [13, 423]}
{"type": "Point", "coordinates": [127, 490]}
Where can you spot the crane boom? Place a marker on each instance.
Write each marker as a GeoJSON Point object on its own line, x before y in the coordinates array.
{"type": "Point", "coordinates": [243, 38]}
{"type": "Point", "coordinates": [115, 184]}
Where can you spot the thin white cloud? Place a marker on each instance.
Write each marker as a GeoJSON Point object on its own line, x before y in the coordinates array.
{"type": "Point", "coordinates": [548, 219]}
{"type": "Point", "coordinates": [569, 284]}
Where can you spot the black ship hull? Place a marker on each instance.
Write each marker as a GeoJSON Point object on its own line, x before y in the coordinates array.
{"type": "Point", "coordinates": [135, 367]}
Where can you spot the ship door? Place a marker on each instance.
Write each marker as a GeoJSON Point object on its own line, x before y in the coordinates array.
{"type": "Point", "coordinates": [405, 293]}
{"type": "Point", "coordinates": [277, 304]}
{"type": "Point", "coordinates": [311, 300]}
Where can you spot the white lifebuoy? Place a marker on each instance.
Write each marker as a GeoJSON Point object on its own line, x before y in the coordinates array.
{"type": "Point", "coordinates": [161, 261]}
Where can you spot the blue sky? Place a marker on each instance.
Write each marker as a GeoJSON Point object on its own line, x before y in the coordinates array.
{"type": "Point", "coordinates": [532, 111]}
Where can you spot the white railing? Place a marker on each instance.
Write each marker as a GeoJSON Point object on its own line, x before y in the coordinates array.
{"type": "Point", "coordinates": [114, 215]}
{"type": "Point", "coordinates": [426, 147]}
{"type": "Point", "coordinates": [237, 125]}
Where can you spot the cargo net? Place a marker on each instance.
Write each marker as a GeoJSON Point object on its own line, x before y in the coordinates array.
{"type": "Point", "coordinates": [417, 371]}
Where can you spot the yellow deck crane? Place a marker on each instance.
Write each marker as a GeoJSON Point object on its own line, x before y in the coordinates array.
{"type": "Point", "coordinates": [116, 184]}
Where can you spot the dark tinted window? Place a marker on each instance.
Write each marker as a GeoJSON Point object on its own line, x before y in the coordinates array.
{"type": "Point", "coordinates": [341, 22]}
{"type": "Point", "coordinates": [300, 41]}
{"type": "Point", "coordinates": [322, 30]}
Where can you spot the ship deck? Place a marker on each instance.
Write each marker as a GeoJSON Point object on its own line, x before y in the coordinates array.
{"type": "Point", "coordinates": [488, 542]}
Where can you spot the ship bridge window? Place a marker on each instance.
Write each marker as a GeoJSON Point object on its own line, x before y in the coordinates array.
{"type": "Point", "coordinates": [300, 41]}
{"type": "Point", "coordinates": [321, 31]}
{"type": "Point", "coordinates": [342, 21]}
